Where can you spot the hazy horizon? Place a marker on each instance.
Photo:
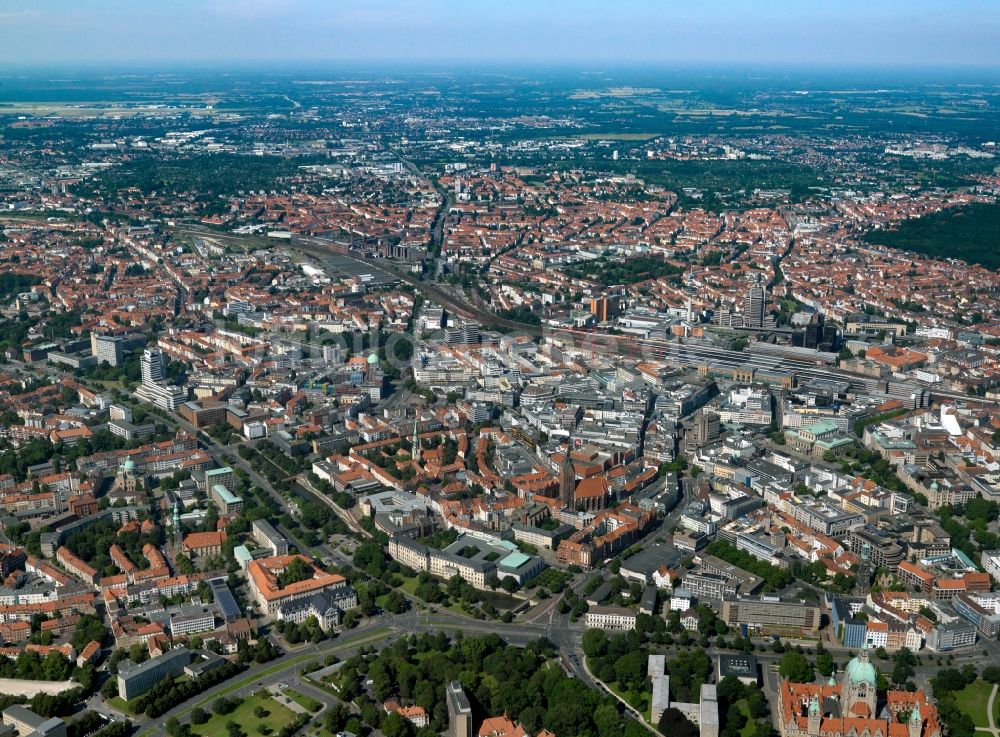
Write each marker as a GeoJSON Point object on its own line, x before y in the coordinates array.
{"type": "Point", "coordinates": [919, 34]}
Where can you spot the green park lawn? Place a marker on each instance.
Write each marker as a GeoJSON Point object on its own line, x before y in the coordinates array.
{"type": "Point", "coordinates": [410, 584]}
{"type": "Point", "coordinates": [121, 705]}
{"type": "Point", "coordinates": [306, 702]}
{"type": "Point", "coordinates": [973, 700]}
{"type": "Point", "coordinates": [499, 599]}
{"type": "Point", "coordinates": [376, 635]}
{"type": "Point", "coordinates": [278, 716]}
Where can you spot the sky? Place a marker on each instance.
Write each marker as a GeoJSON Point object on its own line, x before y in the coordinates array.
{"type": "Point", "coordinates": [890, 33]}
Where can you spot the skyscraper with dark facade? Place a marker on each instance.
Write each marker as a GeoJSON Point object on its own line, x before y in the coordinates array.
{"type": "Point", "coordinates": [754, 303]}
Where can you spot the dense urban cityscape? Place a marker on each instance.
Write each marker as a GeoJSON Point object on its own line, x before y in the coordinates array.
{"type": "Point", "coordinates": [542, 403]}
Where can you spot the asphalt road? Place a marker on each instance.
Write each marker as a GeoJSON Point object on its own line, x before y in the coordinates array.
{"type": "Point", "coordinates": [378, 632]}
{"type": "Point", "coordinates": [281, 670]}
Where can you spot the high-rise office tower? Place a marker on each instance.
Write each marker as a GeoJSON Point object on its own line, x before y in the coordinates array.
{"type": "Point", "coordinates": [107, 348]}
{"type": "Point", "coordinates": [459, 711]}
{"type": "Point", "coordinates": [754, 302]}
{"type": "Point", "coordinates": [153, 366]}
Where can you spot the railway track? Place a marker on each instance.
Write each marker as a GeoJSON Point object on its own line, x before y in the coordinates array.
{"type": "Point", "coordinates": [683, 355]}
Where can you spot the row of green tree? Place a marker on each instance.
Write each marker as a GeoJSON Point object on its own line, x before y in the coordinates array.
{"type": "Point", "coordinates": [523, 683]}
{"type": "Point", "coordinates": [169, 692]}
{"type": "Point", "coordinates": [775, 577]}
{"type": "Point", "coordinates": [610, 272]}
{"type": "Point", "coordinates": [93, 543]}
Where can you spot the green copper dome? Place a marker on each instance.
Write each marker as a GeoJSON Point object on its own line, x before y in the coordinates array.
{"type": "Point", "coordinates": [372, 359]}
{"type": "Point", "coordinates": [814, 708]}
{"type": "Point", "coordinates": [859, 670]}
{"type": "Point", "coordinates": [128, 465]}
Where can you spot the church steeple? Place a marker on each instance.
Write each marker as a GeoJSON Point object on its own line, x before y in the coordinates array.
{"type": "Point", "coordinates": [177, 523]}
{"type": "Point", "coordinates": [415, 444]}
{"type": "Point", "coordinates": [567, 477]}
{"type": "Point", "coordinates": [915, 724]}
{"type": "Point", "coordinates": [862, 580]}
{"type": "Point", "coordinates": [815, 719]}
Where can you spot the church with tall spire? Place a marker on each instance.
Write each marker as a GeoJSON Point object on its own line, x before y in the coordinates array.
{"type": "Point", "coordinates": [415, 444]}
{"type": "Point", "coordinates": [177, 531]}
{"type": "Point", "coordinates": [863, 577]}
{"type": "Point", "coordinates": [567, 478]}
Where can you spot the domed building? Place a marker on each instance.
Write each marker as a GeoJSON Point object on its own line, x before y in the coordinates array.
{"type": "Point", "coordinates": [127, 486]}
{"type": "Point", "coordinates": [852, 707]}
{"type": "Point", "coordinates": [374, 381]}
{"type": "Point", "coordinates": [860, 681]}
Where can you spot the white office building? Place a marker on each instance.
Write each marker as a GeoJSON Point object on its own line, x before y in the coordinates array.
{"type": "Point", "coordinates": [107, 348]}
{"type": "Point", "coordinates": [154, 388]}
{"type": "Point", "coordinates": [153, 366]}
